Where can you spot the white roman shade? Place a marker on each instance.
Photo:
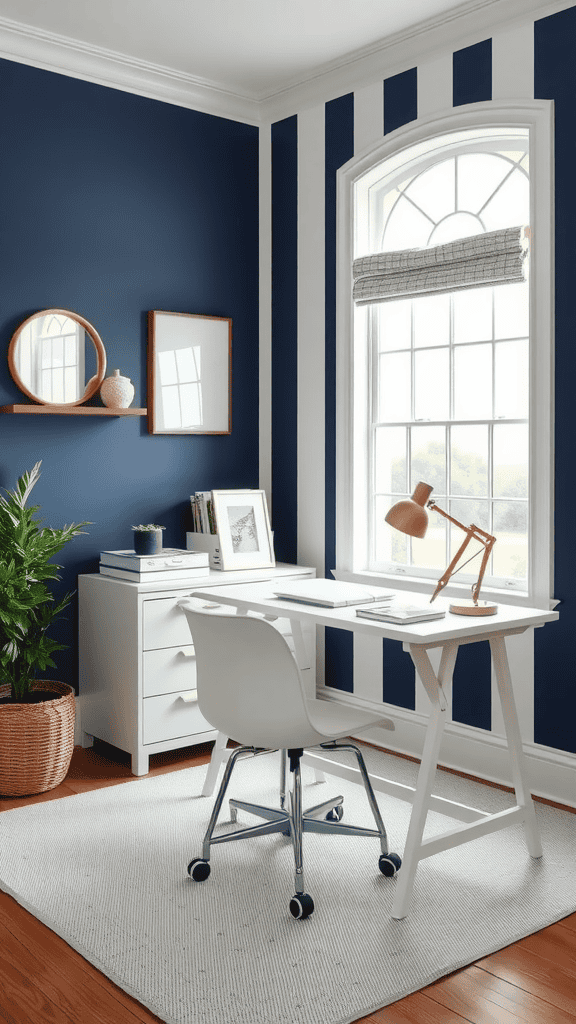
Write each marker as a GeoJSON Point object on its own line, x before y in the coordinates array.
{"type": "Point", "coordinates": [496, 257]}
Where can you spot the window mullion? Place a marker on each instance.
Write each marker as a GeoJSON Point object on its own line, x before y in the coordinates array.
{"type": "Point", "coordinates": [374, 385]}
{"type": "Point", "coordinates": [491, 431]}
{"type": "Point", "coordinates": [408, 483]}
{"type": "Point", "coordinates": [448, 441]}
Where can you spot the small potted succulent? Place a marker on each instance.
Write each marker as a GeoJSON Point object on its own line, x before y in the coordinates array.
{"type": "Point", "coordinates": [148, 539]}
{"type": "Point", "coordinates": [36, 715]}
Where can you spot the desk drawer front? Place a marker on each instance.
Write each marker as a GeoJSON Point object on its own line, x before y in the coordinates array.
{"type": "Point", "coordinates": [164, 623]}
{"type": "Point", "coordinates": [171, 716]}
{"type": "Point", "coordinates": [168, 670]}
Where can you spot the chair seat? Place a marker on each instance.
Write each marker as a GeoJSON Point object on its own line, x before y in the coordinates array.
{"type": "Point", "coordinates": [333, 721]}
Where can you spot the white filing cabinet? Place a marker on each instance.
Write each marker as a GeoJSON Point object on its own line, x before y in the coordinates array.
{"type": "Point", "coordinates": [137, 664]}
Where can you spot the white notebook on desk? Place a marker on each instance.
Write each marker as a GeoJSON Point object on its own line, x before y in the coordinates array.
{"type": "Point", "coordinates": [392, 611]}
{"type": "Point", "coordinates": [332, 593]}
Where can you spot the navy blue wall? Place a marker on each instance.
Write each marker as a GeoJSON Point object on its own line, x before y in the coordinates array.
{"type": "Point", "coordinates": [338, 149]}
{"type": "Point", "coordinates": [400, 99]}
{"type": "Point", "coordinates": [472, 73]}
{"type": "Point", "coordinates": [113, 204]}
{"type": "Point", "coordinates": [554, 691]}
{"type": "Point", "coordinates": [284, 139]}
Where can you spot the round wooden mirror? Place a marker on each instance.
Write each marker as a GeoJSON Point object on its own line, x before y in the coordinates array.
{"type": "Point", "coordinates": [57, 358]}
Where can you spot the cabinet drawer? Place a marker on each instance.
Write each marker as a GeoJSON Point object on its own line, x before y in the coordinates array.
{"type": "Point", "coordinates": [168, 670]}
{"type": "Point", "coordinates": [169, 717]}
{"type": "Point", "coordinates": [164, 624]}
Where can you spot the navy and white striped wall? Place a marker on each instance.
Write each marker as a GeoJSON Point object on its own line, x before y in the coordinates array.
{"type": "Point", "coordinates": [529, 60]}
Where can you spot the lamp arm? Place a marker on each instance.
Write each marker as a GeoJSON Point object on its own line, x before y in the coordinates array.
{"type": "Point", "coordinates": [449, 571]}
{"type": "Point", "coordinates": [487, 549]}
{"type": "Point", "coordinates": [472, 533]}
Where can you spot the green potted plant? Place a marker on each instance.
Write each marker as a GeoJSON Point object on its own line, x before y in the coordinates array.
{"type": "Point", "coordinates": [36, 715]}
{"type": "Point", "coordinates": [148, 539]}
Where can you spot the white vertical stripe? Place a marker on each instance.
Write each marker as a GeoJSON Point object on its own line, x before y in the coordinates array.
{"type": "Point", "coordinates": [513, 63]}
{"type": "Point", "coordinates": [311, 422]}
{"type": "Point", "coordinates": [434, 78]}
{"type": "Point", "coordinates": [368, 116]}
{"type": "Point", "coordinates": [368, 130]}
{"type": "Point", "coordinates": [265, 325]}
{"type": "Point", "coordinates": [311, 352]}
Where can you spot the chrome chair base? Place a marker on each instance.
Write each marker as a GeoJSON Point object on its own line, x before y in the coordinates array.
{"type": "Point", "coordinates": [292, 821]}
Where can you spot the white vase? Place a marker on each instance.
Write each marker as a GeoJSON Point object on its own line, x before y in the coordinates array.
{"type": "Point", "coordinates": [117, 392]}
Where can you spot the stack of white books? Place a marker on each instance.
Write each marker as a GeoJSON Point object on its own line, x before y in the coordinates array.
{"type": "Point", "coordinates": [169, 565]}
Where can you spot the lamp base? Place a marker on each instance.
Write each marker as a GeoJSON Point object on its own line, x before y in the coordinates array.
{"type": "Point", "coordinates": [469, 608]}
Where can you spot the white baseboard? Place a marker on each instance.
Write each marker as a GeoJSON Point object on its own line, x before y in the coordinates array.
{"type": "Point", "coordinates": [552, 773]}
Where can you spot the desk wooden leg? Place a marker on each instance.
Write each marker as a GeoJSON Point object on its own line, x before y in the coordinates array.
{"type": "Point", "coordinates": [514, 738]}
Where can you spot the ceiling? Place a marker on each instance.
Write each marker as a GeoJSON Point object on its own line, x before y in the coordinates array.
{"type": "Point", "coordinates": [250, 48]}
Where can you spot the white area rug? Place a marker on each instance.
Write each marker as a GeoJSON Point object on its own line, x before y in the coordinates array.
{"type": "Point", "coordinates": [106, 870]}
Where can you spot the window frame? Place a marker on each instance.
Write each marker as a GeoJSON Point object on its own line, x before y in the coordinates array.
{"type": "Point", "coordinates": [352, 355]}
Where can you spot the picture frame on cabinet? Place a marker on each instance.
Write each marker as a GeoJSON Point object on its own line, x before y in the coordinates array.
{"type": "Point", "coordinates": [243, 528]}
{"type": "Point", "coordinates": [189, 373]}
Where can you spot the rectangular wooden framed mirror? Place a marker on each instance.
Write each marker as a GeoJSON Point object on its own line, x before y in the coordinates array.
{"type": "Point", "coordinates": [189, 373]}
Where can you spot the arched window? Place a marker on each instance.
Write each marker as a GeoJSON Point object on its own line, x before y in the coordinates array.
{"type": "Point", "coordinates": [465, 194]}
{"type": "Point", "coordinates": [445, 384]}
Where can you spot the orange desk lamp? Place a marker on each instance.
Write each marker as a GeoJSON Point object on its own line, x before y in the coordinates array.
{"type": "Point", "coordinates": [410, 516]}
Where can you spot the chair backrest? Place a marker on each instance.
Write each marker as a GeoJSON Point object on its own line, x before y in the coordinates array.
{"type": "Point", "coordinates": [249, 685]}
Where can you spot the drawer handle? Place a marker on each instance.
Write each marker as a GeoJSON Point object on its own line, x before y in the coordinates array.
{"type": "Point", "coordinates": [189, 696]}
{"type": "Point", "coordinates": [187, 654]}
{"type": "Point", "coordinates": [184, 603]}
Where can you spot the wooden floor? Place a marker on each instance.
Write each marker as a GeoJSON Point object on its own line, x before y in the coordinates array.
{"type": "Point", "coordinates": [43, 981]}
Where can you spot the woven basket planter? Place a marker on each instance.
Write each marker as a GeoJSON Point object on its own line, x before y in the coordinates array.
{"type": "Point", "coordinates": [36, 741]}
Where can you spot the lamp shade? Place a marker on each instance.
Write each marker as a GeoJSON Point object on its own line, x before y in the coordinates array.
{"type": "Point", "coordinates": [410, 516]}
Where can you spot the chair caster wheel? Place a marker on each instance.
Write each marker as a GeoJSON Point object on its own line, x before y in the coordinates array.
{"type": "Point", "coordinates": [301, 905]}
{"type": "Point", "coordinates": [336, 814]}
{"type": "Point", "coordinates": [389, 864]}
{"type": "Point", "coordinates": [199, 870]}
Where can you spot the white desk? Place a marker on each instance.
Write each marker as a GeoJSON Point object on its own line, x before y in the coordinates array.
{"type": "Point", "coordinates": [418, 638]}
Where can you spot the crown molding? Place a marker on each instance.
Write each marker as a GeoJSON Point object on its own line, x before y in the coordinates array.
{"type": "Point", "coordinates": [464, 25]}
{"type": "Point", "coordinates": [456, 29]}
{"type": "Point", "coordinates": [28, 45]}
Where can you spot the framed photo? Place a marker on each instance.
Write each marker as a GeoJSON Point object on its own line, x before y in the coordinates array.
{"type": "Point", "coordinates": [189, 373]}
{"type": "Point", "coordinates": [244, 529]}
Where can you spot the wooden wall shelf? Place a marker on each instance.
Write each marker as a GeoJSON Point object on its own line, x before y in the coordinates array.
{"type": "Point", "coordinates": [71, 410]}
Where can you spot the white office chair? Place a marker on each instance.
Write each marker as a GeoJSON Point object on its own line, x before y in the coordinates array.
{"type": "Point", "coordinates": [250, 688]}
